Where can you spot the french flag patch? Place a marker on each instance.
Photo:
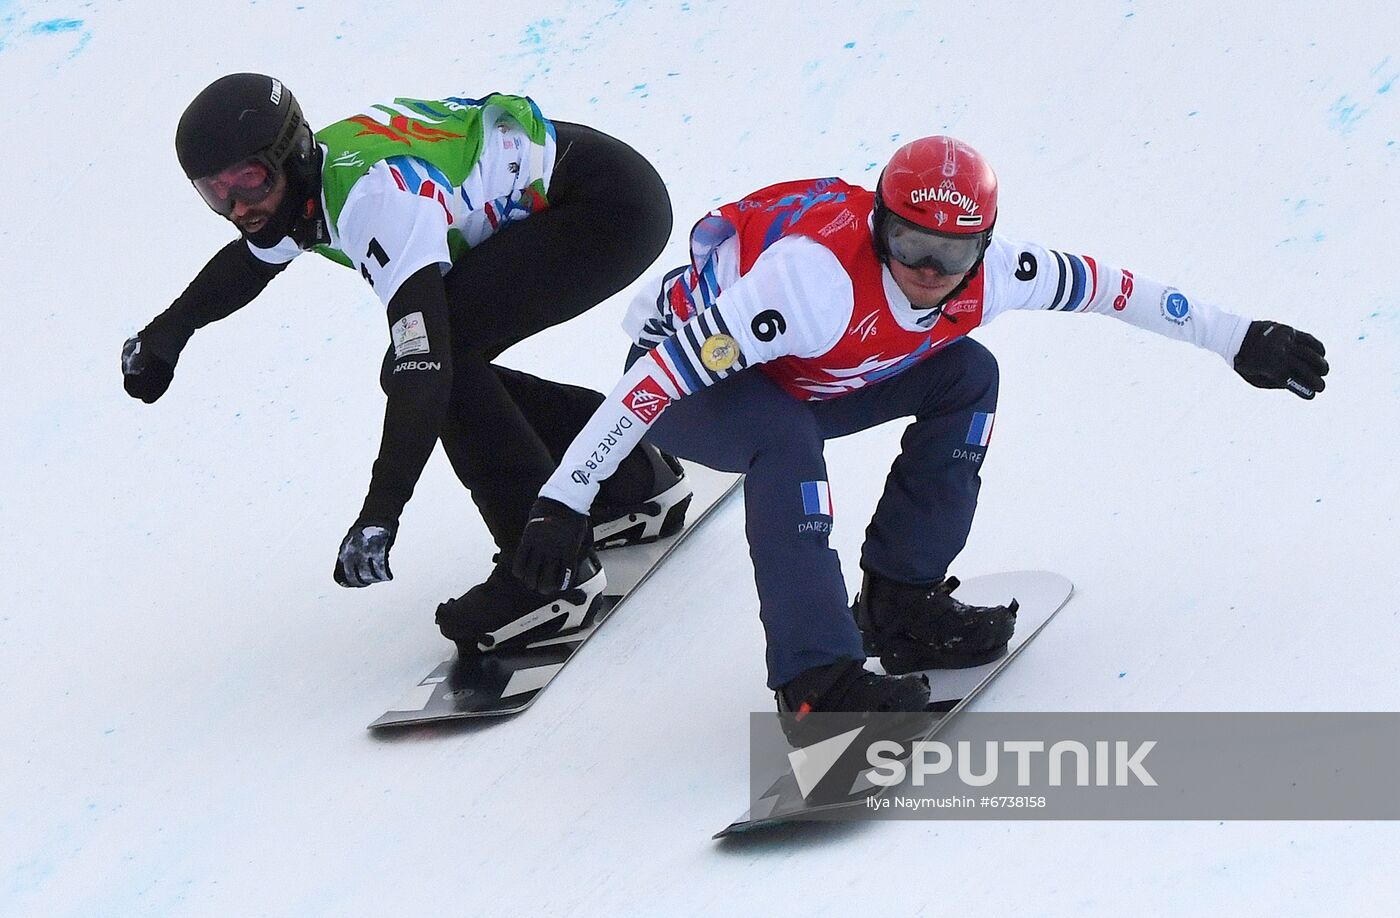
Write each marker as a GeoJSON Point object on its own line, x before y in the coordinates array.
{"type": "Point", "coordinates": [980, 432]}
{"type": "Point", "coordinates": [816, 498]}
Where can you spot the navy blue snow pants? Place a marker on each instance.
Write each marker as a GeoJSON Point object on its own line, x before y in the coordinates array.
{"type": "Point", "coordinates": [746, 423]}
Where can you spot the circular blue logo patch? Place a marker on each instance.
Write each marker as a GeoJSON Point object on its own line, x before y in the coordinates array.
{"type": "Point", "coordinates": [1177, 306]}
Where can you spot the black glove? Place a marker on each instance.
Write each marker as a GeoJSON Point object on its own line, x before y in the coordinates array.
{"type": "Point", "coordinates": [364, 555]}
{"type": "Point", "coordinates": [554, 543]}
{"type": "Point", "coordinates": [144, 375]}
{"type": "Point", "coordinates": [1274, 356]}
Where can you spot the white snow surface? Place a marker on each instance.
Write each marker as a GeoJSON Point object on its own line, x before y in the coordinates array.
{"type": "Point", "coordinates": [185, 689]}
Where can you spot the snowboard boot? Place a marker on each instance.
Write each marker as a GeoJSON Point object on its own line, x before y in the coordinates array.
{"type": "Point", "coordinates": [846, 687]}
{"type": "Point", "coordinates": [912, 626]}
{"type": "Point", "coordinates": [501, 612]}
{"type": "Point", "coordinates": [644, 500]}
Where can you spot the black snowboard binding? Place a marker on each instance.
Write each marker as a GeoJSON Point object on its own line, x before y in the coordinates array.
{"type": "Point", "coordinates": [847, 688]}
{"type": "Point", "coordinates": [644, 500]}
{"type": "Point", "coordinates": [501, 612]}
{"type": "Point", "coordinates": [846, 685]}
{"type": "Point", "coordinates": [912, 627]}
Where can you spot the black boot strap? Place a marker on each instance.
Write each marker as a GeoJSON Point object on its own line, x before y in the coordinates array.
{"type": "Point", "coordinates": [838, 673]}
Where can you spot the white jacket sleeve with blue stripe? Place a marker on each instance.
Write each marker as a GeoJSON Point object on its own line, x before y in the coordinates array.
{"type": "Point", "coordinates": [1023, 275]}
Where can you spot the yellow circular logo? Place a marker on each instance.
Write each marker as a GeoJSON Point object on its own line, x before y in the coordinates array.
{"type": "Point", "coordinates": [719, 352]}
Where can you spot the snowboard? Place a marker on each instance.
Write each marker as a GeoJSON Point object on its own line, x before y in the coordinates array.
{"type": "Point", "coordinates": [1041, 595]}
{"type": "Point", "coordinates": [508, 681]}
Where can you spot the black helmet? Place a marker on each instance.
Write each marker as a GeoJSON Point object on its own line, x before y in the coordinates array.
{"type": "Point", "coordinates": [238, 117]}
{"type": "Point", "coordinates": [238, 136]}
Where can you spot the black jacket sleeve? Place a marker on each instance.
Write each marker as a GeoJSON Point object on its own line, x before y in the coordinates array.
{"type": "Point", "coordinates": [230, 281]}
{"type": "Point", "coordinates": [418, 381]}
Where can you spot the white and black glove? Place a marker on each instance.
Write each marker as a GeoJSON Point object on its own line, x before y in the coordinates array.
{"type": "Point", "coordinates": [144, 375]}
{"type": "Point", "coordinates": [554, 544]}
{"type": "Point", "coordinates": [1274, 356]}
{"type": "Point", "coordinates": [364, 555]}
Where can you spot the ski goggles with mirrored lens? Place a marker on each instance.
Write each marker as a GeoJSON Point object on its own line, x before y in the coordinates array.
{"type": "Point", "coordinates": [248, 182]}
{"type": "Point", "coordinates": [915, 247]}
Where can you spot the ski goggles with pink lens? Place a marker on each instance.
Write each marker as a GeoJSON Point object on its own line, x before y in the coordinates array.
{"type": "Point", "coordinates": [248, 182]}
{"type": "Point", "coordinates": [916, 247]}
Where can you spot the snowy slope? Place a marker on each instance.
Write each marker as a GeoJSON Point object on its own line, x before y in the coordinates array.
{"type": "Point", "coordinates": [185, 689]}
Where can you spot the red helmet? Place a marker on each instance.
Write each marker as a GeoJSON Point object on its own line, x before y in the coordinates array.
{"type": "Point", "coordinates": [935, 205]}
